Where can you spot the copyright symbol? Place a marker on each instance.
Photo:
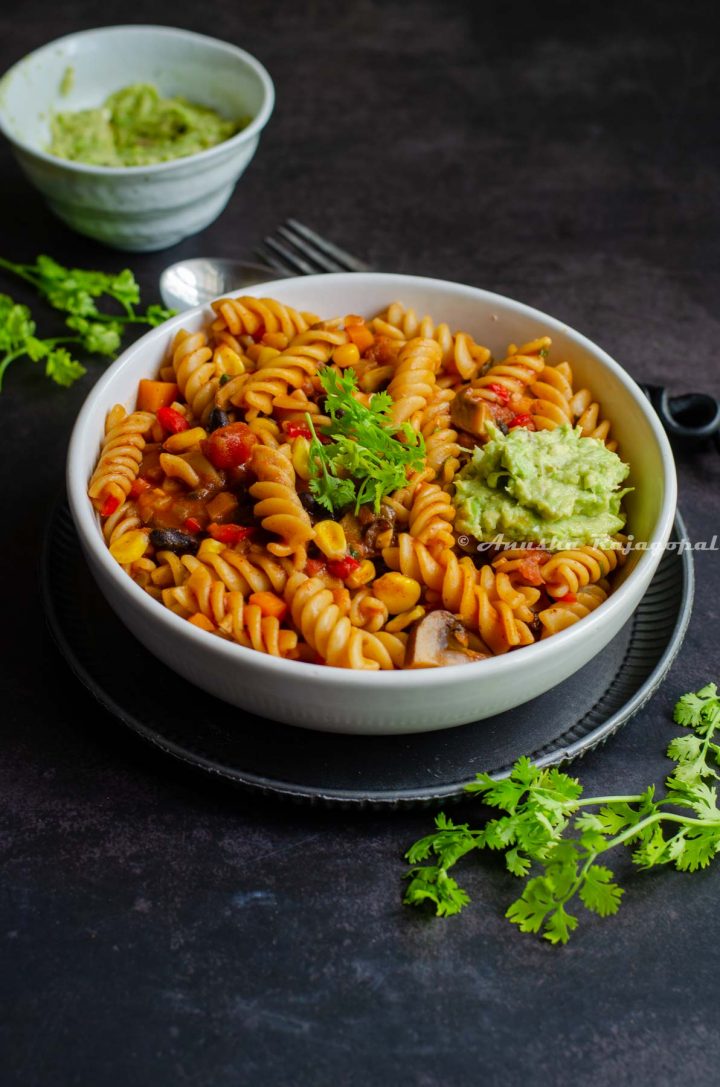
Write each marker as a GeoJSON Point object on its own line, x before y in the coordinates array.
{"type": "Point", "coordinates": [463, 540]}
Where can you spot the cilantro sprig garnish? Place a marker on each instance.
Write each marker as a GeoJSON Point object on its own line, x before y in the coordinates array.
{"type": "Point", "coordinates": [364, 460]}
{"type": "Point", "coordinates": [552, 836]}
{"type": "Point", "coordinates": [18, 339]}
{"type": "Point", "coordinates": [74, 292]}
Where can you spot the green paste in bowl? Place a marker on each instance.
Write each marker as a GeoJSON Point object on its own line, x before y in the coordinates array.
{"type": "Point", "coordinates": [136, 127]}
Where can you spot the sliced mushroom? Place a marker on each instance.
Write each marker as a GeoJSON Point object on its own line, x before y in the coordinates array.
{"type": "Point", "coordinates": [469, 412]}
{"type": "Point", "coordinates": [440, 638]}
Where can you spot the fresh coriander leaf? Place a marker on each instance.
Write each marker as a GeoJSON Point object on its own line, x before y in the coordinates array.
{"type": "Point", "coordinates": [62, 368]}
{"type": "Point", "coordinates": [559, 925]}
{"type": "Point", "coordinates": [363, 452]}
{"type": "Point", "coordinates": [432, 884]}
{"type": "Point", "coordinates": [599, 893]}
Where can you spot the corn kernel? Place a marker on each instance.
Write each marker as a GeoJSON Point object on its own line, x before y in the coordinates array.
{"type": "Point", "coordinates": [300, 460]}
{"type": "Point", "coordinates": [364, 574]}
{"type": "Point", "coordinates": [186, 439]}
{"type": "Point", "coordinates": [130, 547]}
{"type": "Point", "coordinates": [404, 619]}
{"type": "Point", "coordinates": [397, 592]}
{"type": "Point", "coordinates": [330, 538]}
{"type": "Point", "coordinates": [346, 355]}
{"type": "Point", "coordinates": [210, 547]}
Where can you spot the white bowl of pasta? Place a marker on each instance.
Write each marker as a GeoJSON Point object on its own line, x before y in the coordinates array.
{"type": "Point", "coordinates": [230, 541]}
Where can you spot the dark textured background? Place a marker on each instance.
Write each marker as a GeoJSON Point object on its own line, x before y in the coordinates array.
{"type": "Point", "coordinates": [159, 929]}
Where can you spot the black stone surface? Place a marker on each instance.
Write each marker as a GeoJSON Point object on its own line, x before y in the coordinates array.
{"type": "Point", "coordinates": [159, 929]}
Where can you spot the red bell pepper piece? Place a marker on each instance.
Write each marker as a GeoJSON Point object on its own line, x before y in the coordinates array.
{"type": "Point", "coordinates": [230, 534]}
{"type": "Point", "coordinates": [523, 419]}
{"type": "Point", "coordinates": [109, 506]}
{"type": "Point", "coordinates": [295, 429]}
{"type": "Point", "coordinates": [342, 568]}
{"type": "Point", "coordinates": [172, 420]}
{"type": "Point", "coordinates": [500, 391]}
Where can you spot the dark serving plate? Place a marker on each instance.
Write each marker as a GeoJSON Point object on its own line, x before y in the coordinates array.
{"type": "Point", "coordinates": [322, 767]}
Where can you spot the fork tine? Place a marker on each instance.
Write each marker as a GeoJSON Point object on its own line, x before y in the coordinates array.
{"type": "Point", "coordinates": [293, 260]}
{"type": "Point", "coordinates": [266, 256]}
{"type": "Point", "coordinates": [344, 260]}
{"type": "Point", "coordinates": [307, 249]}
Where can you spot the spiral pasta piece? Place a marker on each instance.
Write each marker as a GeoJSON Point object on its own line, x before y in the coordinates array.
{"type": "Point", "coordinates": [586, 414]}
{"type": "Point", "coordinates": [120, 456]}
{"type": "Point", "coordinates": [431, 515]}
{"type": "Point", "coordinates": [252, 316]}
{"type": "Point", "coordinates": [552, 392]}
{"type": "Point", "coordinates": [195, 372]}
{"type": "Point", "coordinates": [331, 634]}
{"type": "Point", "coordinates": [367, 611]}
{"type": "Point", "coordinates": [278, 506]}
{"type": "Point", "coordinates": [441, 444]}
{"type": "Point", "coordinates": [571, 570]}
{"type": "Point", "coordinates": [560, 616]}
{"type": "Point", "coordinates": [461, 355]}
{"type": "Point", "coordinates": [125, 519]}
{"type": "Point", "coordinates": [414, 380]}
{"type": "Point", "coordinates": [277, 374]}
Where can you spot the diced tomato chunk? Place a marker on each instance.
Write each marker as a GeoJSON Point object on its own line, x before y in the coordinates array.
{"type": "Point", "coordinates": [230, 534]}
{"type": "Point", "coordinates": [192, 524]}
{"type": "Point", "coordinates": [569, 598]}
{"type": "Point", "coordinates": [342, 568]}
{"type": "Point", "coordinates": [314, 566]}
{"type": "Point", "coordinates": [109, 506]}
{"type": "Point", "coordinates": [172, 420]}
{"type": "Point", "coordinates": [230, 446]}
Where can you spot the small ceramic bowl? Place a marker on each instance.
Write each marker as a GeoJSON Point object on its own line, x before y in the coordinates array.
{"type": "Point", "coordinates": [136, 208]}
{"type": "Point", "coordinates": [340, 700]}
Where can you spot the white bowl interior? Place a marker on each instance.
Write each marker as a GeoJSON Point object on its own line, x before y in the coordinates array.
{"type": "Point", "coordinates": [199, 68]}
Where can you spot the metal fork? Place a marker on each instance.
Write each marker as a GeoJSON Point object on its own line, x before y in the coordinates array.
{"type": "Point", "coordinates": [295, 249]}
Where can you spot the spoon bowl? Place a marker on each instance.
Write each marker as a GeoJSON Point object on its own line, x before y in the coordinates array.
{"type": "Point", "coordinates": [196, 282]}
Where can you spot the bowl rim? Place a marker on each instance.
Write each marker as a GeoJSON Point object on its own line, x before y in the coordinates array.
{"type": "Point", "coordinates": [245, 135]}
{"type": "Point", "coordinates": [496, 667]}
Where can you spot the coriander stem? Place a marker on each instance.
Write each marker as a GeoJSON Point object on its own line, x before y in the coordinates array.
{"type": "Point", "coordinates": [18, 270]}
{"type": "Point", "coordinates": [592, 800]}
{"type": "Point", "coordinates": [6, 362]}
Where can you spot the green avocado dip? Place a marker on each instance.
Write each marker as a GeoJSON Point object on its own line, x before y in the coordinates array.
{"type": "Point", "coordinates": [553, 488]}
{"type": "Point", "coordinates": [136, 127]}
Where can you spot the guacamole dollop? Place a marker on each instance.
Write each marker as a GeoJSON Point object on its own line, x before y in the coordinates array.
{"type": "Point", "coordinates": [550, 487]}
{"type": "Point", "coordinates": [136, 127]}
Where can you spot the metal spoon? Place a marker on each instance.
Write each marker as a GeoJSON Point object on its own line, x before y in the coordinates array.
{"type": "Point", "coordinates": [191, 283]}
